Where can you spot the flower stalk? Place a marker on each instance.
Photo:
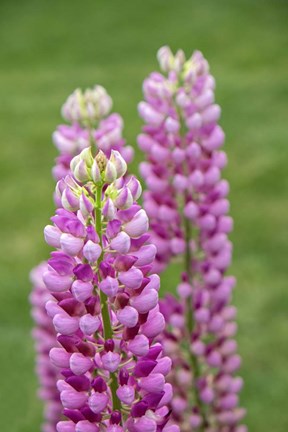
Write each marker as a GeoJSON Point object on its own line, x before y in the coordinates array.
{"type": "Point", "coordinates": [107, 327]}
{"type": "Point", "coordinates": [108, 334]}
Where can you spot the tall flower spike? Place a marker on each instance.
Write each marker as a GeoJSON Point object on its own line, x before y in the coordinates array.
{"type": "Point", "coordinates": [186, 201]}
{"type": "Point", "coordinates": [106, 135]}
{"type": "Point", "coordinates": [106, 312]}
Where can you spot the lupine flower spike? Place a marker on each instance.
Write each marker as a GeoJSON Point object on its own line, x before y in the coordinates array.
{"type": "Point", "coordinates": [187, 204]}
{"type": "Point", "coordinates": [91, 125]}
{"type": "Point", "coordinates": [105, 309]}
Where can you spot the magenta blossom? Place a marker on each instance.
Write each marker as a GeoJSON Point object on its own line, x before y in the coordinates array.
{"type": "Point", "coordinates": [186, 201]}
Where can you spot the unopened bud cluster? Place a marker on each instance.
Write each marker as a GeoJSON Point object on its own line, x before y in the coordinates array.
{"type": "Point", "coordinates": [91, 125]}
{"type": "Point", "coordinates": [187, 204]}
{"type": "Point", "coordinates": [88, 106]}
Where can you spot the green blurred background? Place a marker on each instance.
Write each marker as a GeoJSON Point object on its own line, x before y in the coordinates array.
{"type": "Point", "coordinates": [48, 48]}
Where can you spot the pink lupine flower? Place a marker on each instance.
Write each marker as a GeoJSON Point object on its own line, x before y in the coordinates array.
{"type": "Point", "coordinates": [107, 314]}
{"type": "Point", "coordinates": [104, 131]}
{"type": "Point", "coordinates": [186, 201]}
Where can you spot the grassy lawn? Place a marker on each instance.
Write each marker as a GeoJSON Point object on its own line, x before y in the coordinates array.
{"type": "Point", "coordinates": [50, 47]}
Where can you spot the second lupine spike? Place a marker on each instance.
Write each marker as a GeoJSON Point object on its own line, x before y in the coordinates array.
{"type": "Point", "coordinates": [106, 310]}
{"type": "Point", "coordinates": [186, 201]}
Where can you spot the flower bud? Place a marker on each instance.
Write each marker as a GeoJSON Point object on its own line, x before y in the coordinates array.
{"type": "Point", "coordinates": [109, 210]}
{"type": "Point", "coordinates": [110, 173]}
{"type": "Point", "coordinates": [145, 255]}
{"type": "Point", "coordinates": [128, 316]}
{"type": "Point", "coordinates": [163, 366]}
{"type": "Point", "coordinates": [207, 395]}
{"type": "Point", "coordinates": [131, 278]}
{"type": "Point", "coordinates": [89, 324]}
{"type": "Point", "coordinates": [81, 290]}
{"type": "Point", "coordinates": [171, 428]}
{"type": "Point", "coordinates": [65, 324]}
{"type": "Point", "coordinates": [70, 244]}
{"type": "Point", "coordinates": [154, 383]}
{"type": "Point", "coordinates": [165, 58]}
{"type": "Point", "coordinates": [154, 326]}
{"type": "Point", "coordinates": [65, 426]}
{"type": "Point", "coordinates": [149, 114]}
{"type": "Point", "coordinates": [99, 384]}
{"type": "Point", "coordinates": [86, 206]}
{"type": "Point", "coordinates": [126, 394]}
{"type": "Point", "coordinates": [109, 286]}
{"type": "Point", "coordinates": [215, 140]}
{"type": "Point", "coordinates": [139, 345]}
{"type": "Point", "coordinates": [121, 243]}
{"type": "Point", "coordinates": [72, 399]}
{"type": "Point", "coordinates": [80, 172]}
{"type": "Point", "coordinates": [168, 394]}
{"type": "Point", "coordinates": [135, 187]}
{"type": "Point", "coordinates": [119, 163]}
{"type": "Point", "coordinates": [56, 283]}
{"type": "Point", "coordinates": [83, 272]}
{"type": "Point", "coordinates": [110, 361]}
{"type": "Point", "coordinates": [95, 173]}
{"type": "Point", "coordinates": [180, 182]}
{"type": "Point", "coordinates": [79, 364]}
{"type": "Point", "coordinates": [98, 402]}
{"type": "Point", "coordinates": [124, 199]}
{"type": "Point", "coordinates": [69, 200]}
{"type": "Point", "coordinates": [145, 424]}
{"type": "Point", "coordinates": [146, 301]}
{"type": "Point", "coordinates": [52, 236]}
{"type": "Point", "coordinates": [92, 251]}
{"type": "Point", "coordinates": [184, 290]}
{"type": "Point", "coordinates": [86, 426]}
{"type": "Point", "coordinates": [59, 357]}
{"type": "Point", "coordinates": [191, 210]}
{"type": "Point", "coordinates": [138, 224]}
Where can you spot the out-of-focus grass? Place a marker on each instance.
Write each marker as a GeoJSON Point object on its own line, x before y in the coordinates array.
{"type": "Point", "coordinates": [48, 49]}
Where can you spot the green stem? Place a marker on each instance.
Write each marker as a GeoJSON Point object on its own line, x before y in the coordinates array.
{"type": "Point", "coordinates": [190, 322]}
{"type": "Point", "coordinates": [108, 332]}
{"type": "Point", "coordinates": [114, 387]}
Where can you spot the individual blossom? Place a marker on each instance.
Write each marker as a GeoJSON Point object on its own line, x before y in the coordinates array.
{"type": "Point", "coordinates": [45, 338]}
{"type": "Point", "coordinates": [103, 132]}
{"type": "Point", "coordinates": [105, 309]}
{"type": "Point", "coordinates": [186, 201]}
